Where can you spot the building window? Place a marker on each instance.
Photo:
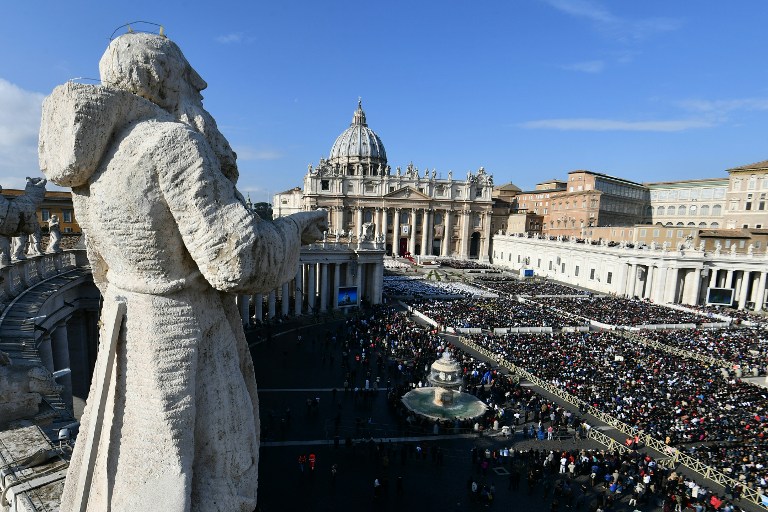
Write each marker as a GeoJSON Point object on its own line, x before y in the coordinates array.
{"type": "Point", "coordinates": [679, 233]}
{"type": "Point", "coordinates": [576, 271]}
{"type": "Point", "coordinates": [403, 217]}
{"type": "Point", "coordinates": [717, 210]}
{"type": "Point", "coordinates": [704, 210]}
{"type": "Point", "coordinates": [670, 210]}
{"type": "Point", "coordinates": [727, 244]}
{"type": "Point", "coordinates": [609, 277]}
{"type": "Point", "coordinates": [562, 268]}
{"type": "Point", "coordinates": [438, 218]}
{"type": "Point", "coordinates": [681, 210]}
{"type": "Point", "coordinates": [642, 233]}
{"type": "Point", "coordinates": [538, 263]}
{"type": "Point", "coordinates": [67, 214]}
{"type": "Point", "coordinates": [369, 188]}
{"type": "Point", "coordinates": [67, 230]}
{"type": "Point", "coordinates": [325, 185]}
{"type": "Point", "coordinates": [748, 205]}
{"type": "Point", "coordinates": [592, 274]}
{"type": "Point", "coordinates": [715, 225]}
{"type": "Point", "coordinates": [656, 233]}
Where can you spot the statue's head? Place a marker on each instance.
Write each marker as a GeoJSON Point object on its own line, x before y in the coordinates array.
{"type": "Point", "coordinates": [151, 66]}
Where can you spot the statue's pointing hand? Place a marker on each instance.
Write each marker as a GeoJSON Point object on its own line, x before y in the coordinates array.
{"type": "Point", "coordinates": [311, 225]}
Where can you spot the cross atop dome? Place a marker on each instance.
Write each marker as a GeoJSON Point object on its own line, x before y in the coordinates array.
{"type": "Point", "coordinates": [359, 118]}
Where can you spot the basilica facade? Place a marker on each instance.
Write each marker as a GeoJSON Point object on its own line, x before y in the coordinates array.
{"type": "Point", "coordinates": [412, 211]}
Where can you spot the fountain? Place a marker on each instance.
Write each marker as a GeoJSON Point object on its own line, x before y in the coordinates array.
{"type": "Point", "coordinates": [443, 400]}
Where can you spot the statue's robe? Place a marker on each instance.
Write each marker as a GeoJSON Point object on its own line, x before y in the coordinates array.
{"type": "Point", "coordinates": [168, 234]}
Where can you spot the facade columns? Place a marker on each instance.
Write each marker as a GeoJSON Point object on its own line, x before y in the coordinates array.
{"type": "Point", "coordinates": [729, 280]}
{"type": "Point", "coordinates": [744, 289]}
{"type": "Point", "coordinates": [323, 287]}
{"type": "Point", "coordinates": [426, 240]}
{"type": "Point", "coordinates": [384, 228]}
{"type": "Point", "coordinates": [447, 232]}
{"type": "Point", "coordinates": [412, 239]}
{"type": "Point", "coordinates": [378, 282]}
{"type": "Point", "coordinates": [396, 233]}
{"type": "Point", "coordinates": [358, 222]}
{"type": "Point", "coordinates": [485, 244]}
{"type": "Point", "coordinates": [338, 221]}
{"type": "Point", "coordinates": [258, 306]}
{"type": "Point", "coordinates": [271, 299]}
{"type": "Point", "coordinates": [464, 242]}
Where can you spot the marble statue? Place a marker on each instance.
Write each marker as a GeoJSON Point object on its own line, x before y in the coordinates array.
{"type": "Point", "coordinates": [751, 249]}
{"type": "Point", "coordinates": [172, 419]}
{"type": "Point", "coordinates": [54, 232]}
{"type": "Point", "coordinates": [718, 247]}
{"type": "Point", "coordinates": [18, 217]}
{"type": "Point", "coordinates": [369, 228]}
{"type": "Point", "coordinates": [450, 175]}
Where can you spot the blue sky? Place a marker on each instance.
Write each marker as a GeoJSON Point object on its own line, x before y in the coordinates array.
{"type": "Point", "coordinates": [647, 90]}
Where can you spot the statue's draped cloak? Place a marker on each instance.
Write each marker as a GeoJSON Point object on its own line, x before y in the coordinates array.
{"type": "Point", "coordinates": [167, 233]}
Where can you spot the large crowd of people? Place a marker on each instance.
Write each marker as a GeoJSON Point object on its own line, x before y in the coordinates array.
{"type": "Point", "coordinates": [410, 286]}
{"type": "Point", "coordinates": [492, 313]}
{"type": "Point", "coordinates": [672, 398]}
{"type": "Point", "coordinates": [744, 348]}
{"type": "Point", "coordinates": [528, 287]}
{"type": "Point", "coordinates": [690, 406]}
{"type": "Point", "coordinates": [624, 312]}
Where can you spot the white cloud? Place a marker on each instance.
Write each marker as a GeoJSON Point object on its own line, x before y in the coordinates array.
{"type": "Point", "coordinates": [615, 26]}
{"type": "Point", "coordinates": [590, 66]}
{"type": "Point", "coordinates": [606, 125]}
{"type": "Point", "coordinates": [723, 107]}
{"type": "Point", "coordinates": [232, 37]}
{"type": "Point", "coordinates": [19, 127]}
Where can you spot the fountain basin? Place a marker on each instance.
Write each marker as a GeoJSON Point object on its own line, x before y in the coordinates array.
{"type": "Point", "coordinates": [463, 405]}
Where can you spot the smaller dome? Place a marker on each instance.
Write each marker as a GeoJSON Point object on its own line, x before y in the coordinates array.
{"type": "Point", "coordinates": [358, 142]}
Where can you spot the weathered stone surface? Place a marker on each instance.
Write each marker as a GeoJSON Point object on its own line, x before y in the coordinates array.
{"type": "Point", "coordinates": [21, 389]}
{"type": "Point", "coordinates": [153, 185]}
{"type": "Point", "coordinates": [18, 218]}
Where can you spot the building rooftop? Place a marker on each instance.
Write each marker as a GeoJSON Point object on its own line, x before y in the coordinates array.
{"type": "Point", "coordinates": [761, 166]}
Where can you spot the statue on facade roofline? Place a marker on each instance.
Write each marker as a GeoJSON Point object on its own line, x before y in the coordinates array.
{"type": "Point", "coordinates": [172, 421]}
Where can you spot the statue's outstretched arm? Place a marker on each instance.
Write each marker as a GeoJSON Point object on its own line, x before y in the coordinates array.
{"type": "Point", "coordinates": [235, 250]}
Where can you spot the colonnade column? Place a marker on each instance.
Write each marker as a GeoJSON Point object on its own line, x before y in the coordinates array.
{"type": "Point", "coordinates": [671, 288]}
{"type": "Point", "coordinates": [713, 278]}
{"type": "Point", "coordinates": [271, 304]}
{"type": "Point", "coordinates": [692, 289]}
{"type": "Point", "coordinates": [285, 298]}
{"type": "Point", "coordinates": [361, 267]}
{"type": "Point", "coordinates": [632, 280]}
{"type": "Point", "coordinates": [621, 289]}
{"type": "Point", "coordinates": [464, 242]}
{"type": "Point", "coordinates": [298, 291]}
{"type": "Point", "coordinates": [312, 283]}
{"type": "Point", "coordinates": [425, 238]}
{"type": "Point", "coordinates": [412, 239]}
{"type": "Point", "coordinates": [447, 232]}
{"type": "Point", "coordinates": [729, 280]}
{"type": "Point", "coordinates": [244, 301]}
{"type": "Point", "coordinates": [323, 287]}
{"type": "Point", "coordinates": [378, 282]}
{"type": "Point", "coordinates": [258, 305]}
{"type": "Point", "coordinates": [60, 349]}
{"type": "Point", "coordinates": [744, 289]}
{"type": "Point", "coordinates": [648, 282]}
{"type": "Point", "coordinates": [396, 233]}
{"type": "Point", "coordinates": [760, 298]}
{"type": "Point", "coordinates": [336, 276]}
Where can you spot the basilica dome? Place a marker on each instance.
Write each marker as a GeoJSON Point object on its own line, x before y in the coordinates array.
{"type": "Point", "coordinates": [358, 144]}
